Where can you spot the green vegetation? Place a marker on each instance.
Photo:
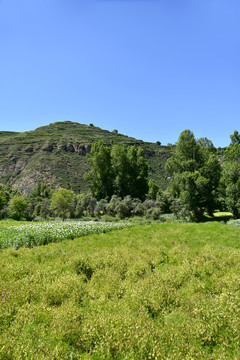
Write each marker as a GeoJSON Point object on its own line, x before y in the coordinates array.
{"type": "Point", "coordinates": [231, 175]}
{"type": "Point", "coordinates": [106, 173]}
{"type": "Point", "coordinates": [17, 207]}
{"type": "Point", "coordinates": [235, 223]}
{"type": "Point", "coordinates": [120, 171]}
{"type": "Point", "coordinates": [61, 202]}
{"type": "Point", "coordinates": [163, 291]}
{"type": "Point", "coordinates": [149, 291]}
{"type": "Point", "coordinates": [6, 134]}
{"type": "Point", "coordinates": [16, 235]}
{"type": "Point", "coordinates": [195, 173]}
{"type": "Point", "coordinates": [56, 155]}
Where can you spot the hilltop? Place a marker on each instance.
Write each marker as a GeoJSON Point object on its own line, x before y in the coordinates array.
{"type": "Point", "coordinates": [56, 155]}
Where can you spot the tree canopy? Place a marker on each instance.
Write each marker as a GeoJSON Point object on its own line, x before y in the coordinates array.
{"type": "Point", "coordinates": [121, 170]}
{"type": "Point", "coordinates": [231, 175]}
{"type": "Point", "coordinates": [101, 174]}
{"type": "Point", "coordinates": [61, 202]}
{"type": "Point", "coordinates": [194, 170]}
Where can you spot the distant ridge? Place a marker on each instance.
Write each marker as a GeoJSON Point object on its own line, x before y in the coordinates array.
{"type": "Point", "coordinates": [4, 134]}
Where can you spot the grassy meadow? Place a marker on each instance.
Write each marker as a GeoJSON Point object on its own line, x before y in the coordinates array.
{"type": "Point", "coordinates": [158, 291]}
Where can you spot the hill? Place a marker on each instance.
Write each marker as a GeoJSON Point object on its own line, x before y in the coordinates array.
{"type": "Point", "coordinates": [6, 134]}
{"type": "Point", "coordinates": [56, 155]}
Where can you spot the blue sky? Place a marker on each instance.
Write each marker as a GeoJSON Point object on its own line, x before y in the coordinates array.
{"type": "Point", "coordinates": [147, 68]}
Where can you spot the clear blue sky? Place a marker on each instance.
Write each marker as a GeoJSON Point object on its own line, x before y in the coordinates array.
{"type": "Point", "coordinates": [149, 68]}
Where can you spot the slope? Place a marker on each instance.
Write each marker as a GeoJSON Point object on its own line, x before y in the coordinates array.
{"type": "Point", "coordinates": [56, 155]}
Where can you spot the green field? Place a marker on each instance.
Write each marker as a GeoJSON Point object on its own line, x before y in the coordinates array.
{"type": "Point", "coordinates": [160, 291]}
{"type": "Point", "coordinates": [29, 234]}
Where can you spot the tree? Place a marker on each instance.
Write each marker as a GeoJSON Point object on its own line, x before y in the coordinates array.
{"type": "Point", "coordinates": [193, 194]}
{"type": "Point", "coordinates": [17, 207]}
{"type": "Point", "coordinates": [40, 200]}
{"type": "Point", "coordinates": [232, 152]}
{"type": "Point", "coordinates": [235, 137]}
{"type": "Point", "coordinates": [3, 198]}
{"type": "Point", "coordinates": [101, 174]}
{"type": "Point", "coordinates": [61, 202]}
{"type": "Point", "coordinates": [231, 175]}
{"type": "Point", "coordinates": [185, 154]}
{"type": "Point", "coordinates": [211, 170]}
{"type": "Point", "coordinates": [121, 170]}
{"type": "Point", "coordinates": [195, 173]}
{"type": "Point", "coordinates": [231, 185]}
{"type": "Point", "coordinates": [153, 189]}
{"type": "Point", "coordinates": [3, 201]}
{"type": "Point", "coordinates": [85, 203]}
{"type": "Point", "coordinates": [130, 171]}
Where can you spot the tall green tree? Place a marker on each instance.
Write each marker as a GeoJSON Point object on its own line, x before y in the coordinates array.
{"type": "Point", "coordinates": [101, 174]}
{"type": "Point", "coordinates": [121, 170]}
{"type": "Point", "coordinates": [185, 155]}
{"type": "Point", "coordinates": [235, 137]}
{"type": "Point", "coordinates": [231, 175]}
{"type": "Point", "coordinates": [3, 197]}
{"type": "Point", "coordinates": [17, 207]}
{"type": "Point", "coordinates": [194, 170]}
{"type": "Point", "coordinates": [130, 171]}
{"type": "Point", "coordinates": [40, 200]}
{"type": "Point", "coordinates": [153, 189]}
{"type": "Point", "coordinates": [62, 202]}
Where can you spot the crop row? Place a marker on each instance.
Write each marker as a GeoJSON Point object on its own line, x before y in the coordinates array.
{"type": "Point", "coordinates": [34, 234]}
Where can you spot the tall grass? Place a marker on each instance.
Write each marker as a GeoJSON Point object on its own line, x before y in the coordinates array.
{"type": "Point", "coordinates": [164, 291]}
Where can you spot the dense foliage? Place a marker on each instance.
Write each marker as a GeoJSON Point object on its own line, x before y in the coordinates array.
{"type": "Point", "coordinates": [195, 170]}
{"type": "Point", "coordinates": [201, 180]}
{"type": "Point", "coordinates": [56, 155]}
{"type": "Point", "coordinates": [231, 175]}
{"type": "Point", "coordinates": [166, 291]}
{"type": "Point", "coordinates": [118, 171]}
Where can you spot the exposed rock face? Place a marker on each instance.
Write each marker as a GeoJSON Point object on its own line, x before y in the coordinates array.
{"type": "Point", "coordinates": [56, 154]}
{"type": "Point", "coordinates": [70, 148]}
{"type": "Point", "coordinates": [29, 149]}
{"type": "Point", "coordinates": [149, 153]}
{"type": "Point", "coordinates": [3, 171]}
{"type": "Point", "coordinates": [78, 148]}
{"type": "Point", "coordinates": [48, 147]}
{"type": "Point", "coordinates": [62, 147]}
{"type": "Point", "coordinates": [20, 165]}
{"type": "Point", "coordinates": [82, 150]}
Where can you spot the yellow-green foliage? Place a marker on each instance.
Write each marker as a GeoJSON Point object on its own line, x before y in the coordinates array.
{"type": "Point", "coordinates": [163, 291]}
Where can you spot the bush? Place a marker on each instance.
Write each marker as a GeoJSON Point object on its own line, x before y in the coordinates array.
{"type": "Point", "coordinates": [17, 208]}
{"type": "Point", "coordinates": [100, 208]}
{"type": "Point", "coordinates": [153, 213]}
{"type": "Point", "coordinates": [112, 206]}
{"type": "Point", "coordinates": [85, 204]}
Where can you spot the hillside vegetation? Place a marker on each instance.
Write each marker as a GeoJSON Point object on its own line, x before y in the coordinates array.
{"type": "Point", "coordinates": [56, 155]}
{"type": "Point", "coordinates": [163, 291]}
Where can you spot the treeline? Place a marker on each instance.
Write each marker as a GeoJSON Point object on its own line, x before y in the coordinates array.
{"type": "Point", "coordinates": [46, 203]}
{"type": "Point", "coordinates": [200, 181]}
